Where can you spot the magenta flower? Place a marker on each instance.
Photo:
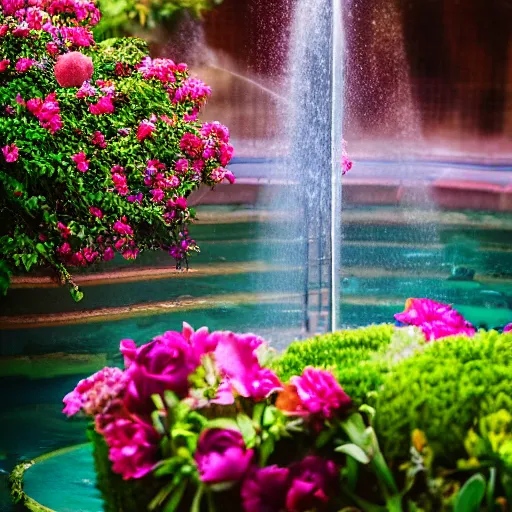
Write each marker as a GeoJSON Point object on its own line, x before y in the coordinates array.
{"type": "Point", "coordinates": [507, 328]}
{"type": "Point", "coordinates": [145, 130]}
{"type": "Point", "coordinates": [346, 163]}
{"type": "Point", "coordinates": [3, 30]}
{"type": "Point", "coordinates": [313, 483]}
{"type": "Point", "coordinates": [191, 145]}
{"type": "Point", "coordinates": [52, 48]}
{"type": "Point", "coordinates": [82, 164]}
{"type": "Point", "coordinates": [219, 174]}
{"type": "Point", "coordinates": [201, 341]}
{"type": "Point", "coordinates": [133, 447]}
{"type": "Point", "coordinates": [320, 393]}
{"type": "Point", "coordinates": [96, 212]}
{"type": "Point", "coordinates": [73, 69]}
{"type": "Point", "coordinates": [11, 153]}
{"type": "Point", "coordinates": [222, 456]}
{"type": "Point", "coordinates": [181, 165]}
{"type": "Point", "coordinates": [158, 195]}
{"type": "Point", "coordinates": [24, 65]}
{"type": "Point", "coordinates": [4, 64]}
{"type": "Point", "coordinates": [163, 364]}
{"type": "Point", "coordinates": [237, 360]}
{"type": "Point", "coordinates": [104, 106]}
{"type": "Point", "coordinates": [86, 91]}
{"type": "Point", "coordinates": [435, 319]}
{"type": "Point", "coordinates": [264, 489]}
{"type": "Point", "coordinates": [122, 228]}
{"type": "Point", "coordinates": [65, 232]}
{"type": "Point", "coordinates": [47, 112]}
{"type": "Point", "coordinates": [94, 394]}
{"type": "Point", "coordinates": [108, 254]}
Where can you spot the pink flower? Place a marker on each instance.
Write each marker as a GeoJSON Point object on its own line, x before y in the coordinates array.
{"type": "Point", "coordinates": [507, 328]}
{"type": "Point", "coordinates": [222, 456]}
{"type": "Point", "coordinates": [158, 195]}
{"type": "Point", "coordinates": [215, 130]}
{"type": "Point", "coordinates": [94, 394]}
{"type": "Point", "coordinates": [52, 48]}
{"type": "Point", "coordinates": [108, 254]}
{"type": "Point", "coordinates": [90, 255]}
{"type": "Point", "coordinates": [191, 144]}
{"type": "Point", "coordinates": [346, 163]}
{"type": "Point", "coordinates": [119, 180]}
{"type": "Point", "coordinates": [225, 154]}
{"type": "Point", "coordinates": [87, 90]}
{"type": "Point", "coordinates": [146, 128]}
{"type": "Point", "coordinates": [320, 393]}
{"type": "Point", "coordinates": [20, 100]}
{"type": "Point", "coordinates": [73, 69]}
{"type": "Point", "coordinates": [47, 112]}
{"type": "Point", "coordinates": [82, 164]}
{"type": "Point", "coordinates": [220, 174]}
{"type": "Point", "coordinates": [435, 319]}
{"type": "Point", "coordinates": [22, 30]}
{"type": "Point", "coordinates": [130, 254]}
{"type": "Point", "coordinates": [11, 153]}
{"type": "Point", "coordinates": [98, 139]}
{"type": "Point", "coordinates": [96, 212]}
{"type": "Point", "coordinates": [24, 65]}
{"type": "Point", "coordinates": [181, 165]}
{"type": "Point", "coordinates": [65, 232]}
{"type": "Point", "coordinates": [313, 484]}
{"type": "Point", "coordinates": [4, 64]}
{"type": "Point", "coordinates": [167, 120]}
{"type": "Point", "coordinates": [3, 30]}
{"type": "Point", "coordinates": [122, 228]}
{"type": "Point", "coordinates": [191, 90]}
{"type": "Point", "coordinates": [104, 106]}
{"type": "Point", "coordinates": [162, 69]}
{"type": "Point", "coordinates": [64, 249]}
{"type": "Point", "coordinates": [264, 489]}
{"type": "Point", "coordinates": [133, 447]}
{"type": "Point", "coordinates": [236, 357]}
{"type": "Point", "coordinates": [163, 364]}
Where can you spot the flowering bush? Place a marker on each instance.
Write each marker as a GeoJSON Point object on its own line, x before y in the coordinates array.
{"type": "Point", "coordinates": [100, 144]}
{"type": "Point", "coordinates": [198, 419]}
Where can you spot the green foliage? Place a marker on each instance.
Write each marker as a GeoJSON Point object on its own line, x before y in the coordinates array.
{"type": "Point", "coordinates": [351, 355]}
{"type": "Point", "coordinates": [58, 215]}
{"type": "Point", "coordinates": [129, 17]}
{"type": "Point", "coordinates": [443, 391]}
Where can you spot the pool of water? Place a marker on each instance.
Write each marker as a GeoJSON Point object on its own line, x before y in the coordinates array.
{"type": "Point", "coordinates": [47, 342]}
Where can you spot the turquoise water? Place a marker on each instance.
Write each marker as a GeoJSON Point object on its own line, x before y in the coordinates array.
{"type": "Point", "coordinates": [47, 342]}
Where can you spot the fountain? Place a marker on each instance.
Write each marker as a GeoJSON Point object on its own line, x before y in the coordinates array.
{"type": "Point", "coordinates": [310, 205]}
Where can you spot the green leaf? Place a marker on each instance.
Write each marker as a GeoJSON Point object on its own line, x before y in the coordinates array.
{"type": "Point", "coordinates": [247, 429]}
{"type": "Point", "coordinates": [491, 487]}
{"type": "Point", "coordinates": [76, 293]}
{"type": "Point", "coordinates": [224, 423]}
{"type": "Point", "coordinates": [470, 497]}
{"type": "Point", "coordinates": [196, 504]}
{"type": "Point", "coordinates": [175, 499]}
{"type": "Point", "coordinates": [355, 452]}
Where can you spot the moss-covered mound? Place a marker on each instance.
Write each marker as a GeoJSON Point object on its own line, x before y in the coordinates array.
{"type": "Point", "coordinates": [442, 388]}
{"type": "Point", "coordinates": [351, 355]}
{"type": "Point", "coordinates": [443, 391]}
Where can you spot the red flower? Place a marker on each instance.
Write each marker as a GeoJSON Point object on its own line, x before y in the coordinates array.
{"type": "Point", "coordinates": [4, 64]}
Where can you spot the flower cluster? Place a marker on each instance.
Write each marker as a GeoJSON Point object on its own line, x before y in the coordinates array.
{"type": "Point", "coordinates": [102, 129]}
{"type": "Point", "coordinates": [179, 379]}
{"type": "Point", "coordinates": [435, 319]}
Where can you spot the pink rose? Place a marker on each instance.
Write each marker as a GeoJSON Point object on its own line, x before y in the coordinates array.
{"type": "Point", "coordinates": [163, 364]}
{"type": "Point", "coordinates": [313, 484]}
{"type": "Point", "coordinates": [73, 69]}
{"type": "Point", "coordinates": [222, 456]}
{"type": "Point", "coordinates": [320, 393]}
{"type": "Point", "coordinates": [264, 489]}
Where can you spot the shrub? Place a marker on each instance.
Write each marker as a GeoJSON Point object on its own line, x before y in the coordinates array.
{"type": "Point", "coordinates": [100, 169]}
{"type": "Point", "coordinates": [351, 355]}
{"type": "Point", "coordinates": [443, 391]}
